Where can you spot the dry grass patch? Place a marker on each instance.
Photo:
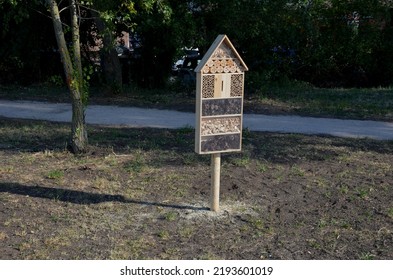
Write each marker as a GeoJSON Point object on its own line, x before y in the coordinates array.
{"type": "Point", "coordinates": [134, 196]}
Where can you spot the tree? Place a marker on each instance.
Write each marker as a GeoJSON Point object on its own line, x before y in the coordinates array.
{"type": "Point", "coordinates": [73, 73]}
{"type": "Point", "coordinates": [110, 64]}
{"type": "Point", "coordinates": [107, 16]}
{"type": "Point", "coordinates": [327, 43]}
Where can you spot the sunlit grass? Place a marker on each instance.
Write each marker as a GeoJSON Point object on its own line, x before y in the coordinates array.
{"type": "Point", "coordinates": [373, 103]}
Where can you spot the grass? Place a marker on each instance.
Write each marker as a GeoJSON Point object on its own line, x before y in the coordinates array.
{"type": "Point", "coordinates": [367, 256]}
{"type": "Point", "coordinates": [390, 212]}
{"type": "Point", "coordinates": [270, 98]}
{"type": "Point", "coordinates": [134, 197]}
{"type": "Point", "coordinates": [304, 99]}
{"type": "Point", "coordinates": [144, 193]}
{"type": "Point", "coordinates": [262, 167]}
{"type": "Point", "coordinates": [170, 216]}
{"type": "Point", "coordinates": [242, 161]}
{"type": "Point", "coordinates": [135, 165]}
{"type": "Point", "coordinates": [55, 174]}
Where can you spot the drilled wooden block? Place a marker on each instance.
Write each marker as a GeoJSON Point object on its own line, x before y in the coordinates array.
{"type": "Point", "coordinates": [220, 143]}
{"type": "Point", "coordinates": [216, 107]}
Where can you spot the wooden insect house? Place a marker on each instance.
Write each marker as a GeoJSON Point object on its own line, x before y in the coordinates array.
{"type": "Point", "coordinates": [219, 99]}
{"type": "Point", "coordinates": [219, 106]}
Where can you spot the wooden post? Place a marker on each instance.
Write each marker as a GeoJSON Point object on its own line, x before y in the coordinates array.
{"type": "Point", "coordinates": [215, 184]}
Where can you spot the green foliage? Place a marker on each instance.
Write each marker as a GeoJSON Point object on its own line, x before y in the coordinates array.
{"type": "Point", "coordinates": [161, 27]}
{"type": "Point", "coordinates": [55, 80]}
{"type": "Point", "coordinates": [87, 74]}
{"type": "Point", "coordinates": [26, 52]}
{"type": "Point", "coordinates": [327, 43]}
{"type": "Point", "coordinates": [13, 11]}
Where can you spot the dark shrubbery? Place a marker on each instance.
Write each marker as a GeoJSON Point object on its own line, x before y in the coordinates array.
{"type": "Point", "coordinates": [327, 43]}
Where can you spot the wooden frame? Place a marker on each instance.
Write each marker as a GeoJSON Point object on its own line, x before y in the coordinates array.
{"type": "Point", "coordinates": [219, 99]}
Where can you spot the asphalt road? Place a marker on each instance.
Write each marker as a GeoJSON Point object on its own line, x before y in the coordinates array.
{"type": "Point", "coordinates": [139, 117]}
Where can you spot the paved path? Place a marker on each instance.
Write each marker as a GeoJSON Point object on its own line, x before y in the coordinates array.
{"type": "Point", "coordinates": [138, 117]}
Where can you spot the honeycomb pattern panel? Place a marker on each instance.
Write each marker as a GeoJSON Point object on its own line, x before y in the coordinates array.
{"type": "Point", "coordinates": [236, 85]}
{"type": "Point", "coordinates": [208, 86]}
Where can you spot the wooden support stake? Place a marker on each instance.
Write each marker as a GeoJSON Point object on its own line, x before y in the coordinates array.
{"type": "Point", "coordinates": [215, 184]}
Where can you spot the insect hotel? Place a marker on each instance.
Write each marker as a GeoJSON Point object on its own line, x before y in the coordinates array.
{"type": "Point", "coordinates": [219, 106]}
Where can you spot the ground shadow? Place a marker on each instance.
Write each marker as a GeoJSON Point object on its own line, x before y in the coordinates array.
{"type": "Point", "coordinates": [81, 197]}
{"type": "Point", "coordinates": [290, 148]}
{"type": "Point", "coordinates": [35, 136]}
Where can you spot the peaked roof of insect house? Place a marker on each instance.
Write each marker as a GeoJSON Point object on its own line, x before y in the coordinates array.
{"type": "Point", "coordinates": [221, 49]}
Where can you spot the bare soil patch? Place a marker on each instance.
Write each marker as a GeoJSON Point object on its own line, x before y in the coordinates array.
{"type": "Point", "coordinates": [144, 193]}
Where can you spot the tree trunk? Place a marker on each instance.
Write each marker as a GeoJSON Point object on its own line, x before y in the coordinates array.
{"type": "Point", "coordinates": [73, 74]}
{"type": "Point", "coordinates": [109, 60]}
{"type": "Point", "coordinates": [76, 44]}
{"type": "Point", "coordinates": [79, 97]}
{"type": "Point", "coordinates": [79, 140]}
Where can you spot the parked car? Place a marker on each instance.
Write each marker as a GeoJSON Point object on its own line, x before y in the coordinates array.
{"type": "Point", "coordinates": [184, 67]}
{"type": "Point", "coordinates": [176, 66]}
{"type": "Point", "coordinates": [123, 51]}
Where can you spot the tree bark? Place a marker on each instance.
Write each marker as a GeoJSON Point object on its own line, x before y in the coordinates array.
{"type": "Point", "coordinates": [79, 140]}
{"type": "Point", "coordinates": [73, 74]}
{"type": "Point", "coordinates": [76, 43]}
